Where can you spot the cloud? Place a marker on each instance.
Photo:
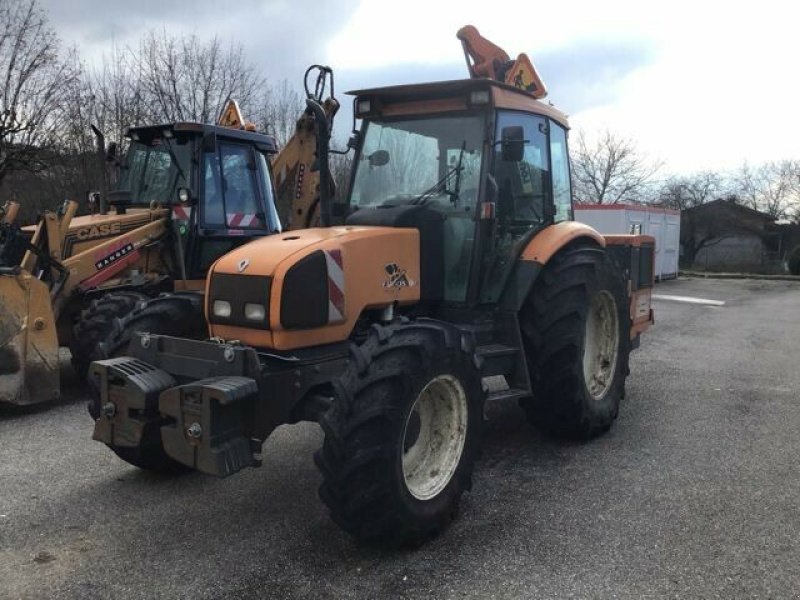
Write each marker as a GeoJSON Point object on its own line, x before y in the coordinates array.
{"type": "Point", "coordinates": [281, 37]}
{"type": "Point", "coordinates": [588, 74]}
{"type": "Point", "coordinates": [697, 84]}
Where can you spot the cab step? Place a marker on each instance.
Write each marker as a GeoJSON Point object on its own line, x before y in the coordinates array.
{"type": "Point", "coordinates": [507, 394]}
{"type": "Point", "coordinates": [495, 359]}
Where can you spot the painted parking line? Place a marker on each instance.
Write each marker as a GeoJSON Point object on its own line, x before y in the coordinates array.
{"type": "Point", "coordinates": [689, 300]}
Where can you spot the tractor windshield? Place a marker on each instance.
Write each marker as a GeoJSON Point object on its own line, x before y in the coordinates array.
{"type": "Point", "coordinates": [435, 161]}
{"type": "Point", "coordinates": [156, 170]}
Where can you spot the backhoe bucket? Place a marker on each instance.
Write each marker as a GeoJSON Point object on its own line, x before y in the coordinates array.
{"type": "Point", "coordinates": [29, 367]}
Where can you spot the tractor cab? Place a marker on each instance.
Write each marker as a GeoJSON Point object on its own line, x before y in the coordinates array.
{"type": "Point", "coordinates": [483, 164]}
{"type": "Point", "coordinates": [215, 179]}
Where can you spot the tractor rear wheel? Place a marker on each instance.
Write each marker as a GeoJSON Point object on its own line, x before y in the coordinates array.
{"type": "Point", "coordinates": [402, 434]}
{"type": "Point", "coordinates": [575, 326]}
{"type": "Point", "coordinates": [96, 323]}
{"type": "Point", "coordinates": [178, 314]}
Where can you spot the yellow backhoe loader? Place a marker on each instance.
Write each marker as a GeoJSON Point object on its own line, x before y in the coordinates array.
{"type": "Point", "coordinates": [187, 193]}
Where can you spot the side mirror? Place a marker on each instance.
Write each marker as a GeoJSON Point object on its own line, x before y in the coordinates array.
{"type": "Point", "coordinates": [209, 143]}
{"type": "Point", "coordinates": [378, 158]}
{"type": "Point", "coordinates": [186, 197]}
{"type": "Point", "coordinates": [512, 141]}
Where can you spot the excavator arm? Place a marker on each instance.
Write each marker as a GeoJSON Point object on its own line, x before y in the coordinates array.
{"type": "Point", "coordinates": [296, 166]}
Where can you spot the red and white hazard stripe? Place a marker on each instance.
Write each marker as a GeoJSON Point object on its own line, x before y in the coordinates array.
{"type": "Point", "coordinates": [336, 313]}
{"type": "Point", "coordinates": [181, 213]}
{"type": "Point", "coordinates": [243, 220]}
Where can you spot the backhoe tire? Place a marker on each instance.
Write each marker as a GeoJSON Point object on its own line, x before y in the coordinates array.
{"type": "Point", "coordinates": [575, 326]}
{"type": "Point", "coordinates": [178, 314]}
{"type": "Point", "coordinates": [95, 324]}
{"type": "Point", "coordinates": [402, 434]}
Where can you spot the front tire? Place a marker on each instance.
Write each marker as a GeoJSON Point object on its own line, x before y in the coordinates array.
{"type": "Point", "coordinates": [402, 435]}
{"type": "Point", "coordinates": [575, 327]}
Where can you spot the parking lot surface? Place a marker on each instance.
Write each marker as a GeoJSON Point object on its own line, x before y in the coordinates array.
{"type": "Point", "coordinates": [693, 493]}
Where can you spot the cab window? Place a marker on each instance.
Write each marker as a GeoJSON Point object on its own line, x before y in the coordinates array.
{"type": "Point", "coordinates": [523, 186]}
{"type": "Point", "coordinates": [231, 196]}
{"type": "Point", "coordinates": [559, 156]}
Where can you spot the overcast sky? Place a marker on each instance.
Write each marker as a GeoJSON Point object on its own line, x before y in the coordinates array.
{"type": "Point", "coordinates": [699, 85]}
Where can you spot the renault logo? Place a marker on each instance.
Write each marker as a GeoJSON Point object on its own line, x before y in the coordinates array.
{"type": "Point", "coordinates": [243, 264]}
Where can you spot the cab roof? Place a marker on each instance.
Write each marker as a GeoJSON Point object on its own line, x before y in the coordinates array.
{"type": "Point", "coordinates": [439, 96]}
{"type": "Point", "coordinates": [150, 132]}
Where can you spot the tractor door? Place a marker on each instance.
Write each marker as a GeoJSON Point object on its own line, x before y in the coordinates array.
{"type": "Point", "coordinates": [236, 203]}
{"type": "Point", "coordinates": [533, 192]}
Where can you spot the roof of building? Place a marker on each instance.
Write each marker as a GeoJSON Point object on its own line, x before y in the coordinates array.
{"type": "Point", "coordinates": [623, 206]}
{"type": "Point", "coordinates": [732, 205]}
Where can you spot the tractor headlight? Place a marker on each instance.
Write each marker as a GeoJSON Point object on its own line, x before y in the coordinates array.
{"type": "Point", "coordinates": [222, 308]}
{"type": "Point", "coordinates": [239, 300]}
{"type": "Point", "coordinates": [255, 312]}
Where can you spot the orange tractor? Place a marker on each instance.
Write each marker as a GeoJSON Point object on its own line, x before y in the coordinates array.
{"type": "Point", "coordinates": [457, 278]}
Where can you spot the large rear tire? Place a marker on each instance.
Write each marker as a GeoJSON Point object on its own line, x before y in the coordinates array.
{"type": "Point", "coordinates": [575, 326]}
{"type": "Point", "coordinates": [402, 435]}
{"type": "Point", "coordinates": [178, 314]}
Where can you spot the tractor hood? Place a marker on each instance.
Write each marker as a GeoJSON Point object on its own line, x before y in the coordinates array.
{"type": "Point", "coordinates": [309, 287]}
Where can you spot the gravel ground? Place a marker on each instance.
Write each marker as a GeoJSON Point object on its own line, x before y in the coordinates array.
{"type": "Point", "coordinates": [693, 493]}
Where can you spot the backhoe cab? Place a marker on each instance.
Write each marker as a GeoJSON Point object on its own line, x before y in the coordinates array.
{"type": "Point", "coordinates": [457, 278]}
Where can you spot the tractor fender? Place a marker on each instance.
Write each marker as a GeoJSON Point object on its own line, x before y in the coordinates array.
{"type": "Point", "coordinates": [536, 255]}
{"type": "Point", "coordinates": [544, 245]}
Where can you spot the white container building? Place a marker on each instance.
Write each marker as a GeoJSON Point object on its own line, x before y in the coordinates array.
{"type": "Point", "coordinates": [663, 224]}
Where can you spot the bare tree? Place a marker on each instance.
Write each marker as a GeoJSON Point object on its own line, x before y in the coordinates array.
{"type": "Point", "coordinates": [115, 96]}
{"type": "Point", "coordinates": [35, 81]}
{"type": "Point", "coordinates": [773, 187]}
{"type": "Point", "coordinates": [686, 191]}
{"type": "Point", "coordinates": [187, 79]}
{"type": "Point", "coordinates": [610, 171]}
{"type": "Point", "coordinates": [278, 109]}
{"type": "Point", "coordinates": [341, 165]}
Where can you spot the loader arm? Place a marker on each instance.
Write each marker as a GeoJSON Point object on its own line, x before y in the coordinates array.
{"type": "Point", "coordinates": [8, 212]}
{"type": "Point", "coordinates": [49, 236]}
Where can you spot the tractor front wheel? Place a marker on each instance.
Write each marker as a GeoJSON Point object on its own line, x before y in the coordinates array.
{"type": "Point", "coordinates": [402, 435]}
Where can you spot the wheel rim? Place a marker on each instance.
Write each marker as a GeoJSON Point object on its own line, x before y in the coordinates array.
{"type": "Point", "coordinates": [434, 436]}
{"type": "Point", "coordinates": [601, 345]}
